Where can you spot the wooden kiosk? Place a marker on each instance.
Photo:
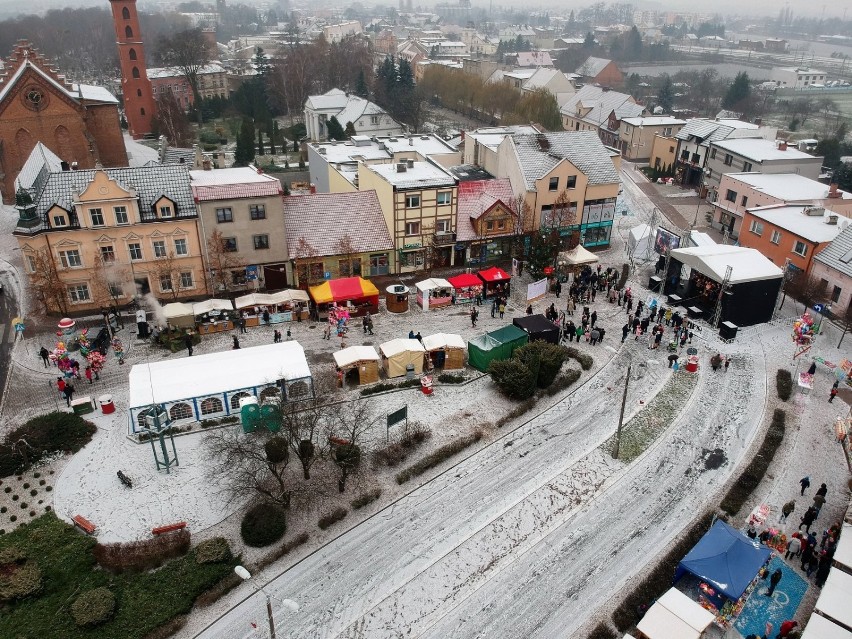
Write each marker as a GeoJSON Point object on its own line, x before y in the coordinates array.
{"type": "Point", "coordinates": [358, 362]}
{"type": "Point", "coordinates": [445, 350]}
{"type": "Point", "coordinates": [396, 298]}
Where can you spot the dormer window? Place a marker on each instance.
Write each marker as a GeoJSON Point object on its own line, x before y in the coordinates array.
{"type": "Point", "coordinates": [59, 221]}
{"type": "Point", "coordinates": [165, 210]}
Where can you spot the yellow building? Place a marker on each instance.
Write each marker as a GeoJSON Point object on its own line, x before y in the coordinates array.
{"type": "Point", "coordinates": [95, 238]}
{"type": "Point", "coordinates": [636, 136]}
{"type": "Point", "coordinates": [419, 201]}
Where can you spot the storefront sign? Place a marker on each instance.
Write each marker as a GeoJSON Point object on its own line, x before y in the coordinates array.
{"type": "Point", "coordinates": [411, 246]}
{"type": "Point", "coordinates": [251, 273]}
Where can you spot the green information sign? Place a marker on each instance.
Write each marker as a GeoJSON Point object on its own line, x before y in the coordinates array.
{"type": "Point", "coordinates": [396, 417]}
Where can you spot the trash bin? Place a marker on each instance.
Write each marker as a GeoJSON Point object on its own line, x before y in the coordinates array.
{"type": "Point", "coordinates": [107, 405]}
{"type": "Point", "coordinates": [728, 330]}
{"type": "Point", "coordinates": [409, 371]}
{"type": "Point", "coordinates": [692, 364]}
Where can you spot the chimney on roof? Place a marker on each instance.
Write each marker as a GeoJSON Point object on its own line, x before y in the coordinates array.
{"type": "Point", "coordinates": [410, 140]}
{"type": "Point", "coordinates": [401, 167]}
{"type": "Point", "coordinates": [832, 220]}
{"type": "Point", "coordinates": [410, 163]}
{"type": "Point", "coordinates": [782, 145]}
{"type": "Point", "coordinates": [814, 211]}
{"type": "Point", "coordinates": [313, 189]}
{"type": "Point", "coordinates": [833, 193]}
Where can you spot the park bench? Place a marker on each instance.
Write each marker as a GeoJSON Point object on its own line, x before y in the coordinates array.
{"type": "Point", "coordinates": [84, 524]}
{"type": "Point", "coordinates": [161, 530]}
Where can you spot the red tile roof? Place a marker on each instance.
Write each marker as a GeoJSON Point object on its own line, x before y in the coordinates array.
{"type": "Point", "coordinates": [234, 191]}
{"type": "Point", "coordinates": [476, 198]}
{"type": "Point", "coordinates": [323, 219]}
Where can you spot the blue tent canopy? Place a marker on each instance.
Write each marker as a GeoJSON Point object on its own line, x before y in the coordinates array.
{"type": "Point", "coordinates": [726, 559]}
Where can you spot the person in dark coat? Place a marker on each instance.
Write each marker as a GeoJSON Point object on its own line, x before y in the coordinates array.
{"type": "Point", "coordinates": [68, 392]}
{"type": "Point", "coordinates": [188, 341]}
{"type": "Point", "coordinates": [774, 581]}
{"type": "Point", "coordinates": [236, 345]}
{"type": "Point", "coordinates": [807, 557]}
{"type": "Point", "coordinates": [822, 569]}
{"type": "Point", "coordinates": [808, 519]}
{"type": "Point", "coordinates": [45, 356]}
{"type": "Point", "coordinates": [593, 318]}
{"type": "Point", "coordinates": [624, 331]}
{"type": "Point", "coordinates": [805, 482]}
{"type": "Point", "coordinates": [822, 490]}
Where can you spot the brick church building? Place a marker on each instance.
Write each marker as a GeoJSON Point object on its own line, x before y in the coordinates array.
{"type": "Point", "coordinates": [78, 122]}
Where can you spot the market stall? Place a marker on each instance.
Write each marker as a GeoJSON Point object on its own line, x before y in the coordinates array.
{"type": "Point", "coordinates": [495, 281]}
{"type": "Point", "coordinates": [258, 309]}
{"type": "Point", "coordinates": [496, 345]}
{"type": "Point", "coordinates": [466, 286]}
{"type": "Point", "coordinates": [675, 616]}
{"type": "Point", "coordinates": [574, 260]}
{"type": "Point", "coordinates": [834, 598]}
{"type": "Point", "coordinates": [434, 293]}
{"type": "Point", "coordinates": [538, 327]}
{"type": "Point", "coordinates": [214, 316]}
{"type": "Point", "coordinates": [726, 563]}
{"type": "Point", "coordinates": [445, 350]}
{"type": "Point", "coordinates": [355, 293]}
{"type": "Point", "coordinates": [399, 354]}
{"type": "Point", "coordinates": [179, 315]}
{"type": "Point", "coordinates": [821, 628]}
{"type": "Point", "coordinates": [396, 298]}
{"type": "Point", "coordinates": [358, 363]}
{"type": "Point", "coordinates": [843, 553]}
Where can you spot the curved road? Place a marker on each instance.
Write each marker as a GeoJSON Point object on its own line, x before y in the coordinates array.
{"type": "Point", "coordinates": [527, 536]}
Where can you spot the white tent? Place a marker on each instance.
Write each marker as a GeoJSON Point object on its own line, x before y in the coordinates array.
{"type": "Point", "coordinates": [640, 242]}
{"type": "Point", "coordinates": [348, 356]}
{"type": "Point", "coordinates": [576, 256]}
{"type": "Point", "coordinates": [821, 628]}
{"type": "Point", "coordinates": [199, 308]}
{"type": "Point", "coordinates": [747, 265]}
{"type": "Point", "coordinates": [290, 295]}
{"type": "Point", "coordinates": [443, 340]}
{"type": "Point", "coordinates": [179, 315]}
{"type": "Point", "coordinates": [425, 288]}
{"type": "Point", "coordinates": [843, 553]}
{"type": "Point", "coordinates": [675, 616]}
{"type": "Point", "coordinates": [835, 596]}
{"type": "Point", "coordinates": [397, 354]}
{"type": "Point", "coordinates": [254, 299]}
{"type": "Point", "coordinates": [697, 238]}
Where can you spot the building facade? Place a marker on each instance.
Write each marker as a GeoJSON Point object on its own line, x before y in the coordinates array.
{"type": "Point", "coordinates": [78, 122]}
{"type": "Point", "coordinates": [212, 83]}
{"type": "Point", "coordinates": [367, 117]}
{"type": "Point", "coordinates": [833, 268]}
{"type": "Point", "coordinates": [636, 135]}
{"type": "Point", "coordinates": [756, 155]}
{"type": "Point", "coordinates": [90, 239]}
{"type": "Point", "coordinates": [796, 77]}
{"type": "Point", "coordinates": [244, 208]}
{"type": "Point", "coordinates": [139, 105]}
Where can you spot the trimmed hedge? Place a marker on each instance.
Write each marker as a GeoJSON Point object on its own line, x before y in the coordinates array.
{"type": "Point", "coordinates": [750, 478]}
{"type": "Point", "coordinates": [44, 435]}
{"type": "Point", "coordinates": [585, 361]}
{"type": "Point", "coordinates": [93, 607]}
{"type": "Point", "coordinates": [388, 386]}
{"type": "Point", "coordinates": [332, 518]}
{"type": "Point", "coordinates": [263, 524]}
{"type": "Point", "coordinates": [19, 577]}
{"type": "Point", "coordinates": [784, 383]}
{"type": "Point", "coordinates": [284, 549]}
{"type": "Point", "coordinates": [450, 378]}
{"type": "Point", "coordinates": [142, 555]}
{"type": "Point", "coordinates": [634, 605]}
{"type": "Point", "coordinates": [365, 499]}
{"type": "Point", "coordinates": [440, 455]}
{"type": "Point", "coordinates": [213, 551]}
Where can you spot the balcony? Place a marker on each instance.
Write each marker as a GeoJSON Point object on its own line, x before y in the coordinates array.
{"type": "Point", "coordinates": [444, 238]}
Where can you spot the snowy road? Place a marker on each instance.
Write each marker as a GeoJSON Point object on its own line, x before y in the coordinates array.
{"type": "Point", "coordinates": [526, 536]}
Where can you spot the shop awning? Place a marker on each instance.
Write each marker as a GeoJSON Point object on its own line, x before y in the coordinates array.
{"type": "Point", "coordinates": [354, 354]}
{"type": "Point", "coordinates": [254, 299]}
{"type": "Point", "coordinates": [433, 283]}
{"type": "Point", "coordinates": [206, 306]}
{"type": "Point", "coordinates": [675, 616]}
{"type": "Point", "coordinates": [843, 554]}
{"type": "Point", "coordinates": [465, 280]}
{"type": "Point", "coordinates": [342, 290]}
{"type": "Point", "coordinates": [494, 274]}
{"type": "Point", "coordinates": [439, 341]}
{"type": "Point", "coordinates": [289, 295]}
{"type": "Point", "coordinates": [177, 309]}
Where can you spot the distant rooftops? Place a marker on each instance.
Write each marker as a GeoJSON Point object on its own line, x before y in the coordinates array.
{"type": "Point", "coordinates": [808, 222]}
{"type": "Point", "coordinates": [415, 175]}
{"type": "Point", "coordinates": [758, 149]}
{"type": "Point", "coordinates": [789, 187]}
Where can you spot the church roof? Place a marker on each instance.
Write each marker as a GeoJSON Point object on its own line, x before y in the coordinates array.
{"type": "Point", "coordinates": [41, 162]}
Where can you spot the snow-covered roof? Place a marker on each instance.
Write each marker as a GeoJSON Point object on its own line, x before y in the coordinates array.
{"type": "Point", "coordinates": [400, 345]}
{"type": "Point", "coordinates": [433, 283]}
{"type": "Point", "coordinates": [177, 309]}
{"type": "Point", "coordinates": [675, 616]}
{"type": "Point", "coordinates": [41, 159]}
{"type": "Point", "coordinates": [654, 120]}
{"type": "Point", "coordinates": [592, 66]}
{"type": "Point", "coordinates": [601, 103]}
{"type": "Point", "coordinates": [199, 308]}
{"type": "Point", "coordinates": [748, 265]}
{"type": "Point", "coordinates": [335, 99]}
{"type": "Point", "coordinates": [357, 107]}
{"type": "Point", "coordinates": [838, 255]}
{"type": "Point", "coordinates": [422, 175]}
{"type": "Point", "coordinates": [443, 340]}
{"type": "Point", "coordinates": [793, 218]}
{"type": "Point", "coordinates": [788, 187]}
{"type": "Point", "coordinates": [760, 150]}
{"type": "Point", "coordinates": [156, 73]}
{"type": "Point", "coordinates": [476, 197]}
{"type": "Point", "coordinates": [492, 137]}
{"type": "Point", "coordinates": [226, 184]}
{"type": "Point", "coordinates": [534, 59]}
{"type": "Point", "coordinates": [819, 627]}
{"type": "Point", "coordinates": [539, 154]}
{"type": "Point", "coordinates": [94, 93]}
{"type": "Point", "coordinates": [834, 598]}
{"type": "Point", "coordinates": [353, 354]}
{"type": "Point", "coordinates": [701, 239]}
{"type": "Point", "coordinates": [201, 375]}
{"type": "Point", "coordinates": [424, 144]}
{"type": "Point", "coordinates": [713, 130]}
{"type": "Point", "coordinates": [843, 553]}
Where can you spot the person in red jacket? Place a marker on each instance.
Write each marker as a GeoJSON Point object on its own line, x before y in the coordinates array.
{"type": "Point", "coordinates": [786, 628]}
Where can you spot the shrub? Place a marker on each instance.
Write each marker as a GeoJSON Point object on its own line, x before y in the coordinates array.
{"type": "Point", "coordinates": [142, 555]}
{"type": "Point", "coordinates": [450, 378]}
{"type": "Point", "coordinates": [564, 381]}
{"type": "Point", "coordinates": [602, 631]}
{"type": "Point", "coordinates": [442, 454]}
{"type": "Point", "coordinates": [630, 610]}
{"type": "Point", "coordinates": [365, 499]}
{"type": "Point", "coordinates": [514, 378]}
{"type": "Point", "coordinates": [550, 358]}
{"type": "Point", "coordinates": [15, 497]}
{"type": "Point", "coordinates": [93, 607]}
{"type": "Point", "coordinates": [219, 590]}
{"type": "Point", "coordinates": [263, 524]}
{"type": "Point", "coordinates": [212, 551]}
{"type": "Point", "coordinates": [33, 493]}
{"type": "Point", "coordinates": [26, 485]}
{"type": "Point", "coordinates": [413, 434]}
{"type": "Point", "coordinates": [283, 549]}
{"type": "Point", "coordinates": [46, 434]}
{"type": "Point", "coordinates": [331, 518]}
{"type": "Point", "coordinates": [519, 410]}
{"type": "Point", "coordinates": [171, 627]}
{"type": "Point", "coordinates": [750, 478]}
{"type": "Point", "coordinates": [784, 384]}
{"type": "Point", "coordinates": [3, 509]}
{"type": "Point", "coordinates": [585, 361]}
{"type": "Point", "coordinates": [19, 577]}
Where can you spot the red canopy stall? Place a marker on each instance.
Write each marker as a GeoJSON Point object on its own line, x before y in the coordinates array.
{"type": "Point", "coordinates": [466, 287]}
{"type": "Point", "coordinates": [496, 281]}
{"type": "Point", "coordinates": [356, 293]}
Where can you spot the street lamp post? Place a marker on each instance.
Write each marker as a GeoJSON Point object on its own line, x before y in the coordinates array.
{"type": "Point", "coordinates": [289, 604]}
{"type": "Point", "coordinates": [621, 414]}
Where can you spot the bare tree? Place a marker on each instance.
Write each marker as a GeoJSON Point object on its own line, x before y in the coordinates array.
{"type": "Point", "coordinates": [49, 289]}
{"type": "Point", "coordinates": [171, 121]}
{"type": "Point", "coordinates": [522, 226]}
{"type": "Point", "coordinates": [349, 423]}
{"type": "Point", "coordinates": [303, 257]}
{"type": "Point", "coordinates": [346, 251]}
{"type": "Point", "coordinates": [806, 289]}
{"type": "Point", "coordinates": [221, 261]}
{"type": "Point", "coordinates": [166, 271]}
{"type": "Point", "coordinates": [188, 52]}
{"type": "Point", "coordinates": [109, 280]}
{"type": "Point", "coordinates": [302, 426]}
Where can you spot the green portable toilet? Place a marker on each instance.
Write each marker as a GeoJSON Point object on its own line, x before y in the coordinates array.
{"type": "Point", "coordinates": [249, 413]}
{"type": "Point", "coordinates": [270, 416]}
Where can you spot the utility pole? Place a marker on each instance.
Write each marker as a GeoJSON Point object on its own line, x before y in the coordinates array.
{"type": "Point", "coordinates": [621, 414]}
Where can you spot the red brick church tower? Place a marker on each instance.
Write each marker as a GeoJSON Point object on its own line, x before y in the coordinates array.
{"type": "Point", "coordinates": [139, 105]}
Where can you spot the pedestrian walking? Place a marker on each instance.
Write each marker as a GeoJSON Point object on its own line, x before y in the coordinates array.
{"type": "Point", "coordinates": [68, 391]}
{"type": "Point", "coordinates": [787, 509]}
{"type": "Point", "coordinates": [805, 483]}
{"type": "Point", "coordinates": [89, 373]}
{"type": "Point", "coordinates": [419, 337]}
{"type": "Point", "coordinates": [242, 323]}
{"type": "Point", "coordinates": [807, 559]}
{"type": "Point", "coordinates": [45, 356]}
{"type": "Point", "coordinates": [558, 288]}
{"type": "Point", "coordinates": [819, 502]}
{"type": "Point", "coordinates": [236, 345]}
{"type": "Point", "coordinates": [673, 359]}
{"type": "Point", "coordinates": [60, 386]}
{"type": "Point", "coordinates": [794, 547]}
{"type": "Point", "coordinates": [624, 331]}
{"type": "Point", "coordinates": [493, 307]}
{"type": "Point", "coordinates": [823, 567]}
{"type": "Point", "coordinates": [593, 318]}
{"type": "Point", "coordinates": [594, 336]}
{"type": "Point", "coordinates": [276, 336]}
{"type": "Point", "coordinates": [529, 310]}
{"type": "Point", "coordinates": [808, 519]}
{"type": "Point", "coordinates": [502, 309]}
{"type": "Point", "coordinates": [822, 490]}
{"type": "Point", "coordinates": [289, 334]}
{"type": "Point", "coordinates": [570, 306]}
{"type": "Point", "coordinates": [774, 581]}
{"type": "Point", "coordinates": [326, 333]}
{"type": "Point", "coordinates": [473, 317]}
{"type": "Point", "coordinates": [831, 395]}
{"type": "Point", "coordinates": [727, 363]}
{"type": "Point", "coordinates": [187, 340]}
